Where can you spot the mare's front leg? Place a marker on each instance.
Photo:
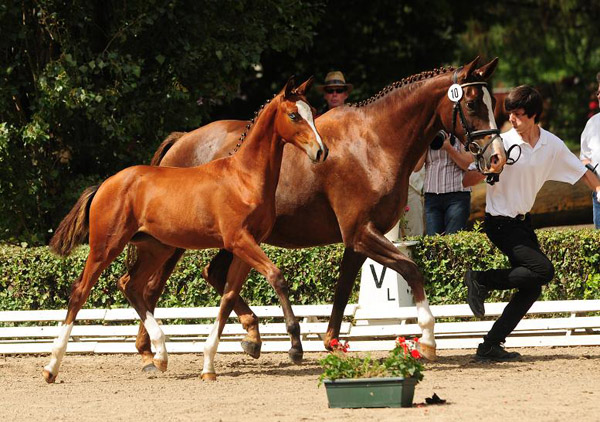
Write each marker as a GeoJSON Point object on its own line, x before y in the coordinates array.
{"type": "Point", "coordinates": [216, 275]}
{"type": "Point", "coordinates": [370, 242]}
{"type": "Point", "coordinates": [351, 263]}
{"type": "Point", "coordinates": [238, 270]}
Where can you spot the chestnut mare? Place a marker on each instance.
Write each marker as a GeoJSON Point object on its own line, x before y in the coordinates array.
{"type": "Point", "coordinates": [228, 203]}
{"type": "Point", "coordinates": [357, 195]}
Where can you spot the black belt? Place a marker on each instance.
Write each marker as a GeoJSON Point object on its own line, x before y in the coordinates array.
{"type": "Point", "coordinates": [519, 217]}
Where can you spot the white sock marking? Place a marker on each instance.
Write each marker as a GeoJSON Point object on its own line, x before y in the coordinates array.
{"type": "Point", "coordinates": [59, 349]}
{"type": "Point", "coordinates": [210, 349]}
{"type": "Point", "coordinates": [157, 337]}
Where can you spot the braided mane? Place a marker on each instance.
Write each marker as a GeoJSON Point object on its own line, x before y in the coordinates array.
{"type": "Point", "coordinates": [405, 81]}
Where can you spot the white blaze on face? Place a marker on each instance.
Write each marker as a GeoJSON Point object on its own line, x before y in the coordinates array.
{"type": "Point", "coordinates": [306, 114]}
{"type": "Point", "coordinates": [487, 100]}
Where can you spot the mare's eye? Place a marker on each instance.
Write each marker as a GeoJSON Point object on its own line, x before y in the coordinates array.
{"type": "Point", "coordinates": [471, 105]}
{"type": "Point", "coordinates": [293, 116]}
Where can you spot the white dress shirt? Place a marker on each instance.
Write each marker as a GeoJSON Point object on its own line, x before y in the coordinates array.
{"type": "Point", "coordinates": [590, 141]}
{"type": "Point", "coordinates": [520, 183]}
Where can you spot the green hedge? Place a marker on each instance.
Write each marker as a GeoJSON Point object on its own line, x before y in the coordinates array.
{"type": "Point", "coordinates": [33, 278]}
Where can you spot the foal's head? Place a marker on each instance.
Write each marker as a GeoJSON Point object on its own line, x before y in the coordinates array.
{"type": "Point", "coordinates": [469, 112]}
{"type": "Point", "coordinates": [294, 120]}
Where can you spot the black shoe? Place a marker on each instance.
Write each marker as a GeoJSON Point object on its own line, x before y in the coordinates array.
{"type": "Point", "coordinates": [495, 353]}
{"type": "Point", "coordinates": [476, 294]}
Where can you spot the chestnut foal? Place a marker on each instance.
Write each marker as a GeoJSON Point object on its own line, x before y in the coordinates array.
{"type": "Point", "coordinates": [228, 203]}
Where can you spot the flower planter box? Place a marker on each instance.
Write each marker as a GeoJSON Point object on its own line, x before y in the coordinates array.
{"type": "Point", "coordinates": [371, 392]}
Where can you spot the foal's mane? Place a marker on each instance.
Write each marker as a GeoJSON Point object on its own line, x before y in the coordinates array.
{"type": "Point", "coordinates": [250, 125]}
{"type": "Point", "coordinates": [403, 83]}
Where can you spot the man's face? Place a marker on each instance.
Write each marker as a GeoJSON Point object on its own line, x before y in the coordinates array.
{"type": "Point", "coordinates": [520, 121]}
{"type": "Point", "coordinates": [598, 94]}
{"type": "Point", "coordinates": [336, 96]}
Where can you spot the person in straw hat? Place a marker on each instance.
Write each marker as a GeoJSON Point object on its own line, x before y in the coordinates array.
{"type": "Point", "coordinates": [335, 90]}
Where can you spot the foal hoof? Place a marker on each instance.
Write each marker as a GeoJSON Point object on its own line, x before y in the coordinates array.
{"type": "Point", "coordinates": [209, 376]}
{"type": "Point", "coordinates": [48, 376]}
{"type": "Point", "coordinates": [295, 355]}
{"type": "Point", "coordinates": [252, 349]}
{"type": "Point", "coordinates": [149, 368]}
{"type": "Point", "coordinates": [428, 352]}
{"type": "Point", "coordinates": [161, 365]}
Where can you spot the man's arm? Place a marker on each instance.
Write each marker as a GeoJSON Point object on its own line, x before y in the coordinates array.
{"type": "Point", "coordinates": [472, 178]}
{"type": "Point", "coordinates": [462, 158]}
{"type": "Point", "coordinates": [590, 179]}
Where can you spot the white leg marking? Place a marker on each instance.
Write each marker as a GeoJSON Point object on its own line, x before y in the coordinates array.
{"type": "Point", "coordinates": [157, 337]}
{"type": "Point", "coordinates": [426, 322]}
{"type": "Point", "coordinates": [306, 114]}
{"type": "Point", "coordinates": [210, 349]}
{"type": "Point", "coordinates": [58, 349]}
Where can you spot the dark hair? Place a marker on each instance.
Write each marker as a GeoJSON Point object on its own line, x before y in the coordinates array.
{"type": "Point", "coordinates": [527, 98]}
{"type": "Point", "coordinates": [598, 77]}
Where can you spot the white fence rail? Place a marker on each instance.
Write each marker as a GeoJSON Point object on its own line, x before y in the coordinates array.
{"type": "Point", "coordinates": [550, 323]}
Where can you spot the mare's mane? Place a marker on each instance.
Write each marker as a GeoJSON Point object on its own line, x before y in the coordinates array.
{"type": "Point", "coordinates": [404, 82]}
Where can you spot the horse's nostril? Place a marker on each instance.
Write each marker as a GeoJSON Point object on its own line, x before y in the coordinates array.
{"type": "Point", "coordinates": [319, 152]}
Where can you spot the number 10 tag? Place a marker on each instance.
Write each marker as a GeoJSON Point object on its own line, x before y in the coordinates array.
{"type": "Point", "coordinates": [455, 93]}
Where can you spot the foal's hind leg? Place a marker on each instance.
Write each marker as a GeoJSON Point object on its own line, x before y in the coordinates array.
{"type": "Point", "coordinates": [216, 275]}
{"type": "Point", "coordinates": [154, 289]}
{"type": "Point", "coordinates": [151, 255]}
{"type": "Point", "coordinates": [98, 259]}
{"type": "Point", "coordinates": [370, 242]}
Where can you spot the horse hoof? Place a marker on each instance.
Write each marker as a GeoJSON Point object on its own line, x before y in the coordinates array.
{"type": "Point", "coordinates": [149, 368]}
{"type": "Point", "coordinates": [428, 352]}
{"type": "Point", "coordinates": [49, 377]}
{"type": "Point", "coordinates": [296, 355]}
{"type": "Point", "coordinates": [161, 365]}
{"type": "Point", "coordinates": [252, 349]}
{"type": "Point", "coordinates": [209, 376]}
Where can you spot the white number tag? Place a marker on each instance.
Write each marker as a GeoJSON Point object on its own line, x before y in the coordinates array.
{"type": "Point", "coordinates": [455, 93]}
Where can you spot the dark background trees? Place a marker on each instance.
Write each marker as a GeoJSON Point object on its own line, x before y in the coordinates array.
{"type": "Point", "coordinates": [89, 87]}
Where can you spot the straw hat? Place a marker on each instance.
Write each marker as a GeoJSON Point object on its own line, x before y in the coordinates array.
{"type": "Point", "coordinates": [335, 79]}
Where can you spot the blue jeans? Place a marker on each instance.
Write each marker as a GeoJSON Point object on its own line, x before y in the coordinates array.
{"type": "Point", "coordinates": [446, 213]}
{"type": "Point", "coordinates": [596, 206]}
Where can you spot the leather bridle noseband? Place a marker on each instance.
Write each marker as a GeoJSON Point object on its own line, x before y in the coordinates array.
{"type": "Point", "coordinates": [471, 135]}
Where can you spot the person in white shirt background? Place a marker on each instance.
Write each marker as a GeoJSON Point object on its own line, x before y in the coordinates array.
{"type": "Point", "coordinates": [590, 151]}
{"type": "Point", "coordinates": [507, 222]}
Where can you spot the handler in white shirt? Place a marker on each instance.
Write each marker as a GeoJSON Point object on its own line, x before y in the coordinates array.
{"type": "Point", "coordinates": [507, 223]}
{"type": "Point", "coordinates": [590, 151]}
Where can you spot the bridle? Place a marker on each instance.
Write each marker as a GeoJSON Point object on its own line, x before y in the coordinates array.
{"type": "Point", "coordinates": [470, 134]}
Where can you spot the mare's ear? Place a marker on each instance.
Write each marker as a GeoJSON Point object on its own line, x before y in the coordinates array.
{"type": "Point", "coordinates": [468, 69]}
{"type": "Point", "coordinates": [289, 87]}
{"type": "Point", "coordinates": [486, 70]}
{"type": "Point", "coordinates": [305, 87]}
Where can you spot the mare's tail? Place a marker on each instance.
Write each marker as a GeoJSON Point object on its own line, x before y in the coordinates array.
{"type": "Point", "coordinates": [74, 228]}
{"type": "Point", "coordinates": [164, 147]}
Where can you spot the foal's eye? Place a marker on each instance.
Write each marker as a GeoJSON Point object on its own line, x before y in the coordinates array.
{"type": "Point", "coordinates": [293, 116]}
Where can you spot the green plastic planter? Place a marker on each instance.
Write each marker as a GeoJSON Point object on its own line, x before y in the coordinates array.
{"type": "Point", "coordinates": [371, 392]}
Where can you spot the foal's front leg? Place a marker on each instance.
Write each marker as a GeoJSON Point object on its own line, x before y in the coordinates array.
{"type": "Point", "coordinates": [247, 249]}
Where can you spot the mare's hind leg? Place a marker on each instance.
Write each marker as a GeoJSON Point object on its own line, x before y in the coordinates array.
{"type": "Point", "coordinates": [154, 289]}
{"type": "Point", "coordinates": [97, 260]}
{"type": "Point", "coordinates": [370, 242]}
{"type": "Point", "coordinates": [351, 263]}
{"type": "Point", "coordinates": [216, 275]}
{"type": "Point", "coordinates": [151, 254]}
{"type": "Point", "coordinates": [246, 248]}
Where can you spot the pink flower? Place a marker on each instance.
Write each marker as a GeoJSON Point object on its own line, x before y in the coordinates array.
{"type": "Point", "coordinates": [407, 209]}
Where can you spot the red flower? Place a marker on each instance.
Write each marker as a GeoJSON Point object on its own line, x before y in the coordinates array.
{"type": "Point", "coordinates": [415, 354]}
{"type": "Point", "coordinates": [416, 339]}
{"type": "Point", "coordinates": [407, 209]}
{"type": "Point", "coordinates": [334, 343]}
{"type": "Point", "coordinates": [400, 340]}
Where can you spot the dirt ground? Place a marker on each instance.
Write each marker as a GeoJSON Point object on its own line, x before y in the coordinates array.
{"type": "Point", "coordinates": [549, 384]}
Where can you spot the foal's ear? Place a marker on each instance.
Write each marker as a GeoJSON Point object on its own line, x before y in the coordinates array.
{"type": "Point", "coordinates": [469, 68]}
{"type": "Point", "coordinates": [486, 70]}
{"type": "Point", "coordinates": [289, 87]}
{"type": "Point", "coordinates": [305, 87]}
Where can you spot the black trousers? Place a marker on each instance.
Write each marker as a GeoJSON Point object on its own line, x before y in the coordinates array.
{"type": "Point", "coordinates": [530, 270]}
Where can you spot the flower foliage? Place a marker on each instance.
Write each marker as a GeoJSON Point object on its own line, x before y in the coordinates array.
{"type": "Point", "coordinates": [404, 360]}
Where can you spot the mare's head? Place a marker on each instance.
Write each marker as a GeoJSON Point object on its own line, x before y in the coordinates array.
{"type": "Point", "coordinates": [468, 112]}
{"type": "Point", "coordinates": [294, 120]}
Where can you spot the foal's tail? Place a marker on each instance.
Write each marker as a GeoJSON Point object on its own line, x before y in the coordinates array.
{"type": "Point", "coordinates": [74, 228]}
{"type": "Point", "coordinates": [164, 147]}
